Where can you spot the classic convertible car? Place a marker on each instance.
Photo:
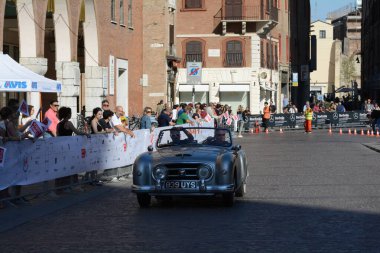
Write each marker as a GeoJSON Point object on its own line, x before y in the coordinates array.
{"type": "Point", "coordinates": [191, 162]}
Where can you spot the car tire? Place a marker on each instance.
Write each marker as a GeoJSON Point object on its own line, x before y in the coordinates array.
{"type": "Point", "coordinates": [240, 192]}
{"type": "Point", "coordinates": [229, 199]}
{"type": "Point", "coordinates": [143, 199]}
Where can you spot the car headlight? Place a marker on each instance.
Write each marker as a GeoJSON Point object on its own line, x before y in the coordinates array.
{"type": "Point", "coordinates": [204, 172]}
{"type": "Point", "coordinates": [159, 172]}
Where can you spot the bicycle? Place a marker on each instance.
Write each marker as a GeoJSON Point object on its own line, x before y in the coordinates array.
{"type": "Point", "coordinates": [134, 123]}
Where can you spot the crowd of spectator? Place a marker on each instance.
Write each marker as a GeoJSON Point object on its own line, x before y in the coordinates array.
{"type": "Point", "coordinates": [14, 126]}
{"type": "Point", "coordinates": [195, 113]}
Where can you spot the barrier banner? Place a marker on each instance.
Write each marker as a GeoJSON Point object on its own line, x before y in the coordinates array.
{"type": "Point", "coordinates": [293, 120]}
{"type": "Point", "coordinates": [2, 156]}
{"type": "Point", "coordinates": [28, 162]}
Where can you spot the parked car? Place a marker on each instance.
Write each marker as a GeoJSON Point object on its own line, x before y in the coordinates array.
{"type": "Point", "coordinates": [191, 161]}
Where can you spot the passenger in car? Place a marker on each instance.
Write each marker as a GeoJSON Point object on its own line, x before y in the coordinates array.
{"type": "Point", "coordinates": [175, 134]}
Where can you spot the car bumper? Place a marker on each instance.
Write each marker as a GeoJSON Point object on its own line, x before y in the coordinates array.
{"type": "Point", "coordinates": [199, 191]}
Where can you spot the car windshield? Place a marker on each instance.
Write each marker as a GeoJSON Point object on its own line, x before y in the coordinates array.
{"type": "Point", "coordinates": [194, 136]}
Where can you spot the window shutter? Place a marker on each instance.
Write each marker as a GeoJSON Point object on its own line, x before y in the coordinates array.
{"type": "Point", "coordinates": [234, 54]}
{"type": "Point", "coordinates": [171, 34]}
{"type": "Point", "coordinates": [194, 51]}
{"type": "Point", "coordinates": [193, 4]}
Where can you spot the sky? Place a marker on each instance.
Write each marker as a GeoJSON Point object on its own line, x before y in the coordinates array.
{"type": "Point", "coordinates": [320, 8]}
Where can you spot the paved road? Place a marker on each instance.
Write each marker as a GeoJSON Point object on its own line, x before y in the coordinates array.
{"type": "Point", "coordinates": [306, 193]}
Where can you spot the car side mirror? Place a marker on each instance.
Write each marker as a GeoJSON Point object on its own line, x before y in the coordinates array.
{"type": "Point", "coordinates": [150, 148]}
{"type": "Point", "coordinates": [236, 148]}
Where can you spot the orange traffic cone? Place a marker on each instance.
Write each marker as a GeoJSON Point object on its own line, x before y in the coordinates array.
{"type": "Point", "coordinates": [349, 131]}
{"type": "Point", "coordinates": [330, 131]}
{"type": "Point", "coordinates": [281, 130]}
{"type": "Point", "coordinates": [340, 131]}
{"type": "Point", "coordinates": [372, 133]}
{"type": "Point", "coordinates": [368, 134]}
{"type": "Point", "coordinates": [355, 133]}
{"type": "Point", "coordinates": [377, 133]}
{"type": "Point", "coordinates": [362, 132]}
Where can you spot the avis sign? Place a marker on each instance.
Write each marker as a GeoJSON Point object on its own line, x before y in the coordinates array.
{"type": "Point", "coordinates": [194, 72]}
{"type": "Point", "coordinates": [14, 85]}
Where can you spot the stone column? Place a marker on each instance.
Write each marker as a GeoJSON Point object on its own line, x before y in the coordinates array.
{"type": "Point", "coordinates": [2, 11]}
{"type": "Point", "coordinates": [254, 97]}
{"type": "Point", "coordinates": [94, 90]}
{"type": "Point", "coordinates": [213, 92]}
{"type": "Point", "coordinates": [69, 74]}
{"type": "Point", "coordinates": [39, 66]}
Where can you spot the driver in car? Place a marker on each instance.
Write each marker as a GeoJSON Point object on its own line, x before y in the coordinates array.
{"type": "Point", "coordinates": [219, 138]}
{"type": "Point", "coordinates": [175, 134]}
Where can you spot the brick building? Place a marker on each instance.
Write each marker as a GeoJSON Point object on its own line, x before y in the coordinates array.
{"type": "Point", "coordinates": [243, 47]}
{"type": "Point", "coordinates": [93, 47]}
{"type": "Point", "coordinates": [346, 23]}
{"type": "Point", "coordinates": [159, 57]}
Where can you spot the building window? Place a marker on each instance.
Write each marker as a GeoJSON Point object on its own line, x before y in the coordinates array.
{"type": "Point", "coordinates": [262, 59]}
{"type": "Point", "coordinates": [279, 48]}
{"type": "Point", "coordinates": [130, 20]}
{"type": "Point", "coordinates": [121, 12]}
{"type": "Point", "coordinates": [268, 2]}
{"type": "Point", "coordinates": [269, 56]}
{"type": "Point", "coordinates": [193, 4]}
{"type": "Point", "coordinates": [322, 34]}
{"type": "Point", "coordinates": [275, 57]}
{"type": "Point", "coordinates": [287, 49]}
{"type": "Point", "coordinates": [113, 11]}
{"type": "Point", "coordinates": [275, 3]}
{"type": "Point", "coordinates": [234, 54]}
{"type": "Point", "coordinates": [193, 52]}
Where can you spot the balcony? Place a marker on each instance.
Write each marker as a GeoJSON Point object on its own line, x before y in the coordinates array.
{"type": "Point", "coordinates": [265, 19]}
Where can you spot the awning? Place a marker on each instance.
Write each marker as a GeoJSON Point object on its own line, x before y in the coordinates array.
{"type": "Point", "coordinates": [234, 87]}
{"type": "Point", "coordinates": [189, 88]}
{"type": "Point", "coordinates": [344, 89]}
{"type": "Point", "coordinates": [14, 78]}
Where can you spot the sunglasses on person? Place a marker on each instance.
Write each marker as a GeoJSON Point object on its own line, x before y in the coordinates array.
{"type": "Point", "coordinates": [148, 111]}
{"type": "Point", "coordinates": [106, 105]}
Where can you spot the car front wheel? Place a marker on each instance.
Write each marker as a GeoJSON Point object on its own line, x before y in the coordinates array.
{"type": "Point", "coordinates": [240, 192]}
{"type": "Point", "coordinates": [143, 199]}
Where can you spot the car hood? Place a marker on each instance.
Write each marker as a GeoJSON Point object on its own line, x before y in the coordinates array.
{"type": "Point", "coordinates": [181, 154]}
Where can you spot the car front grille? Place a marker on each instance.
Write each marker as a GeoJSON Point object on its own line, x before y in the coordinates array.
{"type": "Point", "coordinates": [182, 171]}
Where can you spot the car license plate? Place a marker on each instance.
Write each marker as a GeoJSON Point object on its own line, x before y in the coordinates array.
{"type": "Point", "coordinates": [181, 184]}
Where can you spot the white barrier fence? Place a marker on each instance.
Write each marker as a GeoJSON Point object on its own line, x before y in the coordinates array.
{"type": "Point", "coordinates": [27, 163]}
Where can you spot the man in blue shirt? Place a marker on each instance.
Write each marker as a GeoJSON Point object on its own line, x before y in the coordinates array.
{"type": "Point", "coordinates": [164, 119]}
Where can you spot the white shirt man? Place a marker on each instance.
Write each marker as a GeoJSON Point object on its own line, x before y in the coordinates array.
{"type": "Point", "coordinates": [116, 122]}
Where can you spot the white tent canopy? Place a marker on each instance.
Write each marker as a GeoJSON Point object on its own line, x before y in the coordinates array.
{"type": "Point", "coordinates": [16, 78]}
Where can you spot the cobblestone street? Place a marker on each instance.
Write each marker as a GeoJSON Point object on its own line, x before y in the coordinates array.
{"type": "Point", "coordinates": [306, 193]}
